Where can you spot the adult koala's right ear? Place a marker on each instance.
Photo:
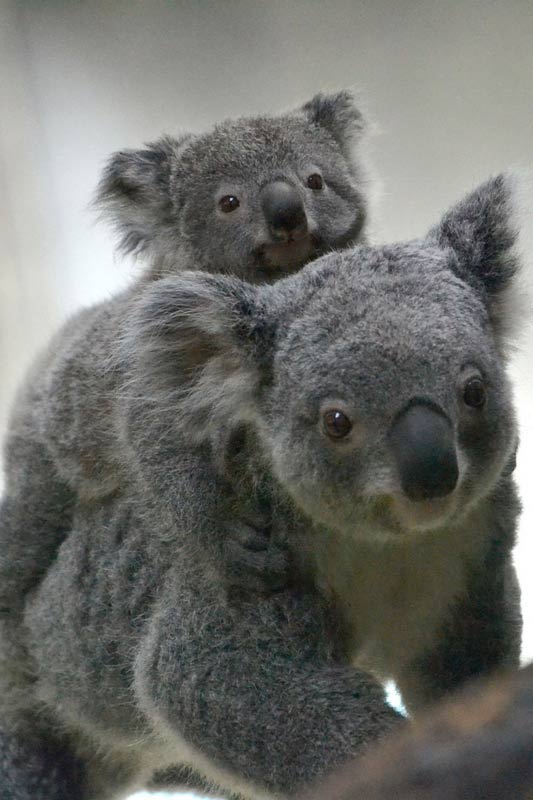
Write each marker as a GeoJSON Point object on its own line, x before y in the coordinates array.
{"type": "Point", "coordinates": [199, 346]}
{"type": "Point", "coordinates": [481, 233]}
{"type": "Point", "coordinates": [339, 115]}
{"type": "Point", "coordinates": [134, 193]}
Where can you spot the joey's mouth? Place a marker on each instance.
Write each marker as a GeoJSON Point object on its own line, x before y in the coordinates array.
{"type": "Point", "coordinates": [291, 254]}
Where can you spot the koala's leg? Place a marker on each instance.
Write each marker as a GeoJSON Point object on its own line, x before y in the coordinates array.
{"type": "Point", "coordinates": [257, 693]}
{"type": "Point", "coordinates": [483, 630]}
{"type": "Point", "coordinates": [35, 515]}
{"type": "Point", "coordinates": [38, 767]}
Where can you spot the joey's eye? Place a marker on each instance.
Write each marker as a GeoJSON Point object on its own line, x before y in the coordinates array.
{"type": "Point", "coordinates": [336, 423]}
{"type": "Point", "coordinates": [315, 181]}
{"type": "Point", "coordinates": [474, 393]}
{"type": "Point", "coordinates": [228, 203]}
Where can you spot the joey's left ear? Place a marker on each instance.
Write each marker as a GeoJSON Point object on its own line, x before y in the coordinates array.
{"type": "Point", "coordinates": [200, 345]}
{"type": "Point", "coordinates": [482, 231]}
{"type": "Point", "coordinates": [134, 193]}
{"type": "Point", "coordinates": [339, 115]}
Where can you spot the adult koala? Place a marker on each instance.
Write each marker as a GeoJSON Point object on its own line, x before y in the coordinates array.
{"type": "Point", "coordinates": [253, 197]}
{"type": "Point", "coordinates": [379, 419]}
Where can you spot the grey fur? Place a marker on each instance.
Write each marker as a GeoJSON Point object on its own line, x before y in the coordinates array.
{"type": "Point", "coordinates": [163, 198]}
{"type": "Point", "coordinates": [130, 643]}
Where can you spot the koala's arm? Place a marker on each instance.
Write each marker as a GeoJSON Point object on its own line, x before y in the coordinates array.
{"type": "Point", "coordinates": [258, 692]}
{"type": "Point", "coordinates": [482, 632]}
{"type": "Point", "coordinates": [64, 444]}
{"type": "Point", "coordinates": [248, 558]}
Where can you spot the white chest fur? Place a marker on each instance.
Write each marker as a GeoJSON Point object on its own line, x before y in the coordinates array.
{"type": "Point", "coordinates": [394, 595]}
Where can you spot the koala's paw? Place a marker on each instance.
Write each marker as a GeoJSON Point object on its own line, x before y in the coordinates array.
{"type": "Point", "coordinates": [252, 561]}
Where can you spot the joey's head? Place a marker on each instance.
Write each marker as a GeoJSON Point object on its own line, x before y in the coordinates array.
{"type": "Point", "coordinates": [254, 197]}
{"type": "Point", "coordinates": [375, 377]}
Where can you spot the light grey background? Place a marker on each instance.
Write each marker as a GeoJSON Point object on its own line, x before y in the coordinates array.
{"type": "Point", "coordinates": [449, 83]}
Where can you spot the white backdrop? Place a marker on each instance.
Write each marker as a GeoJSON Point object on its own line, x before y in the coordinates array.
{"type": "Point", "coordinates": [450, 85]}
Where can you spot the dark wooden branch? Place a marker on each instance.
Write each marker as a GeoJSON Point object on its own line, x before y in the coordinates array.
{"type": "Point", "coordinates": [476, 746]}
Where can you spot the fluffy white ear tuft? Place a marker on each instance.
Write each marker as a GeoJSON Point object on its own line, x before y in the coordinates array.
{"type": "Point", "coordinates": [482, 233]}
{"type": "Point", "coordinates": [195, 349]}
{"type": "Point", "coordinates": [340, 115]}
{"type": "Point", "coordinates": [134, 193]}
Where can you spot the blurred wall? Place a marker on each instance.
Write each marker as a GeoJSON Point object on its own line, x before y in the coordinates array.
{"type": "Point", "coordinates": [450, 85]}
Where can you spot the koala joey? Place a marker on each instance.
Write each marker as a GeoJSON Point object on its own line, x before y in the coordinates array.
{"type": "Point", "coordinates": [379, 421]}
{"type": "Point", "coordinates": [256, 198]}
{"type": "Point", "coordinates": [253, 197]}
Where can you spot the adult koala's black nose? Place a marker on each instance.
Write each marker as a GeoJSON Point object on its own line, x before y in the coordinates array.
{"type": "Point", "coordinates": [423, 445]}
{"type": "Point", "coordinates": [284, 211]}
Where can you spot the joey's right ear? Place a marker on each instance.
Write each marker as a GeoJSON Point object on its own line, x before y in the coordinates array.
{"type": "Point", "coordinates": [200, 345]}
{"type": "Point", "coordinates": [134, 193]}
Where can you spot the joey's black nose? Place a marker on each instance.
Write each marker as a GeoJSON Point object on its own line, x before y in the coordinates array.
{"type": "Point", "coordinates": [284, 211]}
{"type": "Point", "coordinates": [423, 445]}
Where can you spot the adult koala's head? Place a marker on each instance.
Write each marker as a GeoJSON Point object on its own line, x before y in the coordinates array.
{"type": "Point", "coordinates": [257, 197]}
{"type": "Point", "coordinates": [375, 377]}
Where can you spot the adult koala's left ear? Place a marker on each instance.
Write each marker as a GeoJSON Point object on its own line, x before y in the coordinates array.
{"type": "Point", "coordinates": [482, 232]}
{"type": "Point", "coordinates": [199, 346]}
{"type": "Point", "coordinates": [339, 115]}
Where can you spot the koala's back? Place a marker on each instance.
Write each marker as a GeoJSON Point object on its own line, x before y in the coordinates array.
{"type": "Point", "coordinates": [62, 456]}
{"type": "Point", "coordinates": [66, 404]}
{"type": "Point", "coordinates": [61, 449]}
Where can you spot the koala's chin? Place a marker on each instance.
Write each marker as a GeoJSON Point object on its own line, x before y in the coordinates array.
{"type": "Point", "coordinates": [424, 515]}
{"type": "Point", "coordinates": [392, 516]}
{"type": "Point", "coordinates": [383, 518]}
{"type": "Point", "coordinates": [287, 257]}
{"type": "Point", "coordinates": [289, 254]}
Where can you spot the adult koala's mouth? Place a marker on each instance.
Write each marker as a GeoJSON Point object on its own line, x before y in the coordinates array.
{"type": "Point", "coordinates": [288, 255]}
{"type": "Point", "coordinates": [423, 515]}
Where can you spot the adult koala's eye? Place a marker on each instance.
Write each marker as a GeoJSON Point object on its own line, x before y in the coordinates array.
{"type": "Point", "coordinates": [474, 393]}
{"type": "Point", "coordinates": [336, 424]}
{"type": "Point", "coordinates": [228, 203]}
{"type": "Point", "coordinates": [315, 182]}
